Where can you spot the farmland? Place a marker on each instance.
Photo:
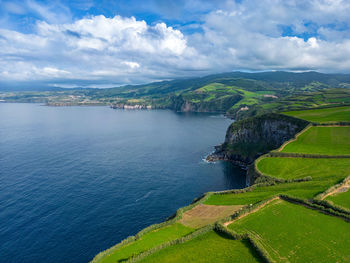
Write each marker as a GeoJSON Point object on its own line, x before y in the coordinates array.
{"type": "Point", "coordinates": [336, 114]}
{"type": "Point", "coordinates": [147, 241]}
{"type": "Point", "coordinates": [321, 140]}
{"type": "Point", "coordinates": [293, 233]}
{"type": "Point", "coordinates": [209, 247]}
{"type": "Point", "coordinates": [266, 223]}
{"type": "Point", "coordinates": [341, 198]}
{"type": "Point", "coordinates": [297, 168]}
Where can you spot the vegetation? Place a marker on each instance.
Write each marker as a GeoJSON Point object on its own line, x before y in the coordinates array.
{"type": "Point", "coordinates": [147, 241]}
{"type": "Point", "coordinates": [341, 198]}
{"type": "Point", "coordinates": [297, 168]}
{"type": "Point", "coordinates": [210, 247]}
{"type": "Point", "coordinates": [237, 94]}
{"type": "Point", "coordinates": [297, 210]}
{"type": "Point", "coordinates": [321, 140]}
{"type": "Point", "coordinates": [293, 233]}
{"type": "Point", "coordinates": [306, 190]}
{"type": "Point", "coordinates": [336, 114]}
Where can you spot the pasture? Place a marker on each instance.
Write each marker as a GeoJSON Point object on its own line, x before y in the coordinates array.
{"type": "Point", "coordinates": [209, 247]}
{"type": "Point", "coordinates": [294, 233]}
{"type": "Point", "coordinates": [147, 241]}
{"type": "Point", "coordinates": [297, 168]}
{"type": "Point", "coordinates": [321, 140]}
{"type": "Point", "coordinates": [341, 198]}
{"type": "Point", "coordinates": [336, 114]}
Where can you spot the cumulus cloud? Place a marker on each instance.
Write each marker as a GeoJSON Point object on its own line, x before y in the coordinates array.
{"type": "Point", "coordinates": [92, 47]}
{"type": "Point", "coordinates": [238, 35]}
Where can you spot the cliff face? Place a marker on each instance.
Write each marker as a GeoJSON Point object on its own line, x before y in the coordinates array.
{"type": "Point", "coordinates": [247, 139]}
{"type": "Point", "coordinates": [221, 104]}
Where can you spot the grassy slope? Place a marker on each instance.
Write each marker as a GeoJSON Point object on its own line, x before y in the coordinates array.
{"type": "Point", "coordinates": [336, 114]}
{"type": "Point", "coordinates": [341, 199]}
{"type": "Point", "coordinates": [148, 241]}
{"type": "Point", "coordinates": [293, 233]}
{"type": "Point", "coordinates": [305, 190]}
{"type": "Point", "coordinates": [210, 247]}
{"type": "Point", "coordinates": [296, 168]}
{"type": "Point", "coordinates": [322, 140]}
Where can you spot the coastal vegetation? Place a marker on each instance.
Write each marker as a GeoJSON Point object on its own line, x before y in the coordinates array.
{"type": "Point", "coordinates": [294, 233]}
{"type": "Point", "coordinates": [209, 247]}
{"type": "Point", "coordinates": [297, 208]}
{"type": "Point", "coordinates": [291, 132]}
{"type": "Point", "coordinates": [236, 94]}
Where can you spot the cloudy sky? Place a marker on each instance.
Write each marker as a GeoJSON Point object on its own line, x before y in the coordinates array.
{"type": "Point", "coordinates": [108, 43]}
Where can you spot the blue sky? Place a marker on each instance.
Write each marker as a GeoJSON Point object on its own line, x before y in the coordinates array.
{"type": "Point", "coordinates": [109, 43]}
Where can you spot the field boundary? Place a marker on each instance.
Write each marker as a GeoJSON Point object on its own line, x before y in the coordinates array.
{"type": "Point", "coordinates": [316, 203]}
{"type": "Point", "coordinates": [335, 189]}
{"type": "Point", "coordinates": [295, 137]}
{"type": "Point", "coordinates": [305, 155]}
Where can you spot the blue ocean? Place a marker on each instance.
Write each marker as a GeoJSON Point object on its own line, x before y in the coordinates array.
{"type": "Point", "coordinates": [76, 180]}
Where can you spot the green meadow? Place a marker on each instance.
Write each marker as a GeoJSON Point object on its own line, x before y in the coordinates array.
{"type": "Point", "coordinates": [208, 247]}
{"type": "Point", "coordinates": [341, 199]}
{"type": "Point", "coordinates": [321, 140]}
{"type": "Point", "coordinates": [336, 114]}
{"type": "Point", "coordinates": [147, 241]}
{"type": "Point", "coordinates": [297, 168]}
{"type": "Point", "coordinates": [294, 233]}
{"type": "Point", "coordinates": [305, 190]}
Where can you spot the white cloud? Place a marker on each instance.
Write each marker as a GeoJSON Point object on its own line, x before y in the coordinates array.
{"type": "Point", "coordinates": [247, 35]}
{"type": "Point", "coordinates": [131, 64]}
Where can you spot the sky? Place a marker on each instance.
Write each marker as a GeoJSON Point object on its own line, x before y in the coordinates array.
{"type": "Point", "coordinates": [111, 43]}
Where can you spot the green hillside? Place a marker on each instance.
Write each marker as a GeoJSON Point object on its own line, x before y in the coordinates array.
{"type": "Point", "coordinates": [296, 211]}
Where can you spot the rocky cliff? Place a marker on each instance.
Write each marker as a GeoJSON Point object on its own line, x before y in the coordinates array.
{"type": "Point", "coordinates": [203, 104]}
{"type": "Point", "coordinates": [249, 138]}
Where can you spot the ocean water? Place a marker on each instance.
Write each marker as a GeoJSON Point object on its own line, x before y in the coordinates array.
{"type": "Point", "coordinates": [77, 180]}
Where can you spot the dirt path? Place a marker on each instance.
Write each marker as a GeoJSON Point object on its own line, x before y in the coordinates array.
{"type": "Point", "coordinates": [345, 186]}
{"type": "Point", "coordinates": [252, 211]}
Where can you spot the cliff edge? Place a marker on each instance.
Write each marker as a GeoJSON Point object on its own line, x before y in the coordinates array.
{"type": "Point", "coordinates": [249, 138]}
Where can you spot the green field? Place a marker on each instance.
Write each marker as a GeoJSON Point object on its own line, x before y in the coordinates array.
{"type": "Point", "coordinates": [341, 199]}
{"type": "Point", "coordinates": [293, 233]}
{"type": "Point", "coordinates": [304, 190]}
{"type": "Point", "coordinates": [147, 241]}
{"type": "Point", "coordinates": [209, 247]}
{"type": "Point", "coordinates": [297, 168]}
{"type": "Point", "coordinates": [336, 114]}
{"type": "Point", "coordinates": [321, 140]}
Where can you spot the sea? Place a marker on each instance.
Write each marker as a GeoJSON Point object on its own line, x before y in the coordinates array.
{"type": "Point", "coordinates": [77, 180]}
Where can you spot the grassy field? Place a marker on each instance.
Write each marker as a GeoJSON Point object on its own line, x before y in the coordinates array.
{"type": "Point", "coordinates": [289, 232]}
{"type": "Point", "coordinates": [321, 140]}
{"type": "Point", "coordinates": [296, 168]}
{"type": "Point", "coordinates": [323, 115]}
{"type": "Point", "coordinates": [305, 190]}
{"type": "Point", "coordinates": [209, 247]}
{"type": "Point", "coordinates": [341, 199]}
{"type": "Point", "coordinates": [148, 241]}
{"type": "Point", "coordinates": [293, 233]}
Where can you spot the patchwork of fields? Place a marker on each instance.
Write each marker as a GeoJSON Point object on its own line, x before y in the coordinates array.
{"type": "Point", "coordinates": [299, 212]}
{"type": "Point", "coordinates": [294, 233]}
